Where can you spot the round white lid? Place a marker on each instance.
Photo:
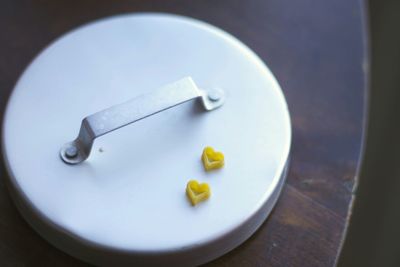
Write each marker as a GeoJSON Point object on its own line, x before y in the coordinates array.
{"type": "Point", "coordinates": [129, 195]}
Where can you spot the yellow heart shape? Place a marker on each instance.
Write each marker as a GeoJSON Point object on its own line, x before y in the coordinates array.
{"type": "Point", "coordinates": [212, 159]}
{"type": "Point", "coordinates": [197, 192]}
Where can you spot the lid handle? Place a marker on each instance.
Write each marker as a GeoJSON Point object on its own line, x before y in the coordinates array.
{"type": "Point", "coordinates": [133, 110]}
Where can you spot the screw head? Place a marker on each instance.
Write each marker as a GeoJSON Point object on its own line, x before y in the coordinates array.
{"type": "Point", "coordinates": [71, 152]}
{"type": "Point", "coordinates": [214, 95]}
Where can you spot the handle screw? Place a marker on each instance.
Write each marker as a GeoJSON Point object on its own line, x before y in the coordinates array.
{"type": "Point", "coordinates": [71, 152]}
{"type": "Point", "coordinates": [214, 95]}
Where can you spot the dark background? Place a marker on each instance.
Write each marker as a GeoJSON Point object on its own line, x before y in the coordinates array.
{"type": "Point", "coordinates": [317, 51]}
{"type": "Point", "coordinates": [374, 232]}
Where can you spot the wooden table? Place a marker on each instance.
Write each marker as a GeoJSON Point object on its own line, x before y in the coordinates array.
{"type": "Point", "coordinates": [317, 51]}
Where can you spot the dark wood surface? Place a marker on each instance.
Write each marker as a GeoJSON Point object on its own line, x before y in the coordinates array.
{"type": "Point", "coordinates": [316, 49]}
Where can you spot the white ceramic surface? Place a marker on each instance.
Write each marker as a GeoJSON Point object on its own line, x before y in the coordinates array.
{"type": "Point", "coordinates": [127, 204]}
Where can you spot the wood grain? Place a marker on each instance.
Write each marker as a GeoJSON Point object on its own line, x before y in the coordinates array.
{"type": "Point", "coordinates": [316, 49]}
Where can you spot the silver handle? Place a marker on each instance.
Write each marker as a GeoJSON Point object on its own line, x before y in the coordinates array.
{"type": "Point", "coordinates": [138, 108]}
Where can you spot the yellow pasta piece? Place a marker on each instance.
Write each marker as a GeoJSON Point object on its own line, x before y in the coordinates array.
{"type": "Point", "coordinates": [197, 192]}
{"type": "Point", "coordinates": [212, 159]}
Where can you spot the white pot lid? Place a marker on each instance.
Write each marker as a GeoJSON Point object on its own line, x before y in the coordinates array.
{"type": "Point", "coordinates": [126, 203]}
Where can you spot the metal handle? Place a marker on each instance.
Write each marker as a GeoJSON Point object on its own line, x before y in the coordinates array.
{"type": "Point", "coordinates": [133, 110]}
